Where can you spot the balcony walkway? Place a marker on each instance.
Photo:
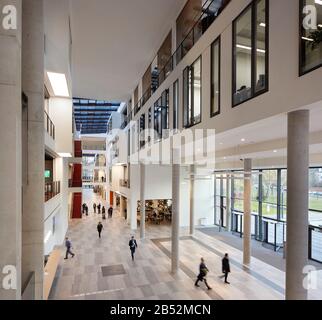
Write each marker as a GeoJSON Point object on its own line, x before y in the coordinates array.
{"type": "Point", "coordinates": [148, 277]}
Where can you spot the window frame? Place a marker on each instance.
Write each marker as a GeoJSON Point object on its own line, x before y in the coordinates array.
{"type": "Point", "coordinates": [190, 94]}
{"type": "Point", "coordinates": [176, 102]}
{"type": "Point", "coordinates": [253, 7]}
{"type": "Point", "coordinates": [301, 72]}
{"type": "Point", "coordinates": [213, 114]}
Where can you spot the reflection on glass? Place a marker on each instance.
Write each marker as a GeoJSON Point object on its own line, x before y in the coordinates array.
{"type": "Point", "coordinates": [260, 46]}
{"type": "Point", "coordinates": [243, 56]}
{"type": "Point", "coordinates": [196, 67]}
{"type": "Point", "coordinates": [215, 77]}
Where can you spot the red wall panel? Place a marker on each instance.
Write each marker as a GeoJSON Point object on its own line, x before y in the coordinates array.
{"type": "Point", "coordinates": [77, 205]}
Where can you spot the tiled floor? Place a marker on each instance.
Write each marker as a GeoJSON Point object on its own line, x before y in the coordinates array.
{"type": "Point", "coordinates": [148, 277]}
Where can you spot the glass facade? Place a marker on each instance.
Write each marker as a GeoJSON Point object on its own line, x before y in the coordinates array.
{"type": "Point", "coordinates": [161, 115]}
{"type": "Point", "coordinates": [250, 52]}
{"type": "Point", "coordinates": [269, 206]}
{"type": "Point", "coordinates": [192, 89]}
{"type": "Point", "coordinates": [311, 35]}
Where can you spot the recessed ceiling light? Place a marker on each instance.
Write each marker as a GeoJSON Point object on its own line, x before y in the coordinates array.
{"type": "Point", "coordinates": [59, 84]}
{"type": "Point", "coordinates": [275, 151]}
{"type": "Point", "coordinates": [243, 140]}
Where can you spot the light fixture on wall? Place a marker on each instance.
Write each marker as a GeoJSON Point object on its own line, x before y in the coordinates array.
{"type": "Point", "coordinates": [240, 46]}
{"type": "Point", "coordinates": [64, 155]}
{"type": "Point", "coordinates": [58, 83]}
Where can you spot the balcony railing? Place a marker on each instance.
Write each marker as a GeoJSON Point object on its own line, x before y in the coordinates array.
{"type": "Point", "coordinates": [75, 183]}
{"type": "Point", "coordinates": [209, 12]}
{"type": "Point", "coordinates": [49, 126]}
{"type": "Point", "coordinates": [52, 189]}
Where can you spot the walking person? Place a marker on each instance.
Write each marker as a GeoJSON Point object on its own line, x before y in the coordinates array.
{"type": "Point", "coordinates": [86, 210]}
{"type": "Point", "coordinates": [103, 213]}
{"type": "Point", "coordinates": [226, 267]}
{"type": "Point", "coordinates": [83, 208]}
{"type": "Point", "coordinates": [68, 246]}
{"type": "Point", "coordinates": [133, 245]}
{"type": "Point", "coordinates": [94, 207]}
{"type": "Point", "coordinates": [99, 208]}
{"type": "Point", "coordinates": [110, 212]}
{"type": "Point", "coordinates": [203, 270]}
{"type": "Point", "coordinates": [99, 229]}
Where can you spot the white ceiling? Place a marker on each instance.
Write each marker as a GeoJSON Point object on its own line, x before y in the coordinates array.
{"type": "Point", "coordinates": [114, 41]}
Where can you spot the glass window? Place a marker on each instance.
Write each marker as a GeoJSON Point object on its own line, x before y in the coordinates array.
{"type": "Point", "coordinates": [250, 54]}
{"type": "Point", "coordinates": [215, 78]}
{"type": "Point", "coordinates": [315, 189]}
{"type": "Point", "coordinates": [142, 130]}
{"type": "Point", "coordinates": [269, 193]}
{"type": "Point", "coordinates": [161, 115]}
{"type": "Point", "coordinates": [176, 105]}
{"type": "Point", "coordinates": [311, 35]}
{"type": "Point", "coordinates": [192, 89]}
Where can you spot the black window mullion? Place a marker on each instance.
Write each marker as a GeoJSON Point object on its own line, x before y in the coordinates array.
{"type": "Point", "coordinates": [279, 204]}
{"type": "Point", "coordinates": [192, 95]}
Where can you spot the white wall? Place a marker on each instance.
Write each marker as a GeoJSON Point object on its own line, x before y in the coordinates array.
{"type": "Point", "coordinates": [61, 113]}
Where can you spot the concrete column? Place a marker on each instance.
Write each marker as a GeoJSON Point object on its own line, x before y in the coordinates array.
{"type": "Point", "coordinates": [142, 199]}
{"type": "Point", "coordinates": [33, 193]}
{"type": "Point", "coordinates": [10, 154]}
{"type": "Point", "coordinates": [228, 213]}
{"type": "Point", "coordinates": [175, 212]}
{"type": "Point", "coordinates": [192, 199]}
{"type": "Point", "coordinates": [297, 203]}
{"type": "Point", "coordinates": [247, 211]}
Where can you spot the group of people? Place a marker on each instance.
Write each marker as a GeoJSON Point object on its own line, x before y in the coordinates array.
{"type": "Point", "coordinates": [99, 207]}
{"type": "Point", "coordinates": [203, 271]}
{"type": "Point", "coordinates": [85, 209]}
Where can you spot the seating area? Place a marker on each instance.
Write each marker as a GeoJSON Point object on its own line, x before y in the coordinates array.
{"type": "Point", "coordinates": [156, 211]}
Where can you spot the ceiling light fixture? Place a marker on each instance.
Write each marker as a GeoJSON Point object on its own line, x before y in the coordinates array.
{"type": "Point", "coordinates": [275, 151]}
{"type": "Point", "coordinates": [58, 83]}
{"type": "Point", "coordinates": [240, 46]}
{"type": "Point", "coordinates": [307, 39]}
{"type": "Point", "coordinates": [65, 155]}
{"type": "Point", "coordinates": [243, 140]}
{"type": "Point", "coordinates": [263, 24]}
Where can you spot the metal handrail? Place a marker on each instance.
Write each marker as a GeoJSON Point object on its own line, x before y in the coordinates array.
{"type": "Point", "coordinates": [49, 126]}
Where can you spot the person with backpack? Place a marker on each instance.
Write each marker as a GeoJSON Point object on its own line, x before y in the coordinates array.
{"type": "Point", "coordinates": [203, 271]}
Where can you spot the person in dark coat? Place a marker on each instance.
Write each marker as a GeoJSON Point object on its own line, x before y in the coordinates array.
{"type": "Point", "coordinates": [103, 213]}
{"type": "Point", "coordinates": [110, 212]}
{"type": "Point", "coordinates": [203, 270]}
{"type": "Point", "coordinates": [99, 208]}
{"type": "Point", "coordinates": [226, 267]}
{"type": "Point", "coordinates": [133, 245]}
{"type": "Point", "coordinates": [94, 207]}
{"type": "Point", "coordinates": [68, 246]}
{"type": "Point", "coordinates": [84, 208]}
{"type": "Point", "coordinates": [99, 229]}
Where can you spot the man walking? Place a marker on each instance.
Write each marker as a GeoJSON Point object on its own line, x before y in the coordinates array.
{"type": "Point", "coordinates": [99, 229]}
{"type": "Point", "coordinates": [226, 267]}
{"type": "Point", "coordinates": [133, 245]}
{"type": "Point", "coordinates": [94, 207]}
{"type": "Point", "coordinates": [68, 246]}
{"type": "Point", "coordinates": [110, 212]}
{"type": "Point", "coordinates": [203, 270]}
{"type": "Point", "coordinates": [99, 208]}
